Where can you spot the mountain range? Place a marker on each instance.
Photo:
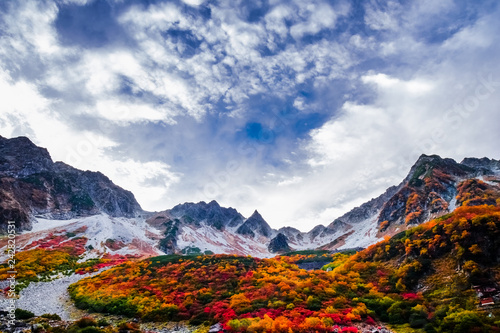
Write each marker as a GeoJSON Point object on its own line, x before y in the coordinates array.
{"type": "Point", "coordinates": [45, 197]}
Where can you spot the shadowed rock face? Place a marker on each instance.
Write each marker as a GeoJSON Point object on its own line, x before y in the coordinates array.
{"type": "Point", "coordinates": [19, 157]}
{"type": "Point", "coordinates": [255, 225]}
{"type": "Point", "coordinates": [208, 227]}
{"type": "Point", "coordinates": [279, 244]}
{"type": "Point", "coordinates": [31, 184]}
{"type": "Point", "coordinates": [211, 214]}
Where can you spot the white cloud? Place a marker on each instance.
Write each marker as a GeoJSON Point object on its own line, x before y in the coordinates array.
{"type": "Point", "coordinates": [473, 37]}
{"type": "Point", "coordinates": [293, 180]}
{"type": "Point", "coordinates": [74, 2]}
{"type": "Point", "coordinates": [31, 29]}
{"type": "Point", "coordinates": [382, 18]}
{"type": "Point", "coordinates": [193, 2]}
{"type": "Point", "coordinates": [156, 17]}
{"type": "Point", "coordinates": [19, 97]}
{"type": "Point", "coordinates": [149, 181]}
{"type": "Point", "coordinates": [120, 110]}
{"type": "Point", "coordinates": [367, 145]}
{"type": "Point", "coordinates": [275, 21]}
{"type": "Point", "coordinates": [395, 86]}
{"type": "Point", "coordinates": [315, 16]}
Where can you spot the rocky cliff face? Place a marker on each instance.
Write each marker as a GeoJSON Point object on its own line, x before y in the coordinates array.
{"type": "Point", "coordinates": [254, 226]}
{"type": "Point", "coordinates": [208, 227]}
{"type": "Point", "coordinates": [193, 216]}
{"type": "Point", "coordinates": [279, 244]}
{"type": "Point", "coordinates": [431, 189]}
{"type": "Point", "coordinates": [31, 185]}
{"type": "Point", "coordinates": [211, 214]}
{"type": "Point", "coordinates": [366, 210]}
{"type": "Point", "coordinates": [482, 166]}
{"type": "Point", "coordinates": [19, 157]}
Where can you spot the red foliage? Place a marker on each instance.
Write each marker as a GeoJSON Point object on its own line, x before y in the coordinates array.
{"type": "Point", "coordinates": [411, 296]}
{"type": "Point", "coordinates": [350, 329]}
{"type": "Point", "coordinates": [369, 320]}
{"type": "Point", "coordinates": [74, 246]}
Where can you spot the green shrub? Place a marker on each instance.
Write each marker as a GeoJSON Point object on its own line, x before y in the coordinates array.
{"type": "Point", "coordinates": [313, 303]}
{"type": "Point", "coordinates": [91, 329]}
{"type": "Point", "coordinates": [51, 316]}
{"type": "Point", "coordinates": [463, 322]}
{"type": "Point", "coordinates": [102, 322]}
{"type": "Point", "coordinates": [23, 314]}
{"type": "Point", "coordinates": [86, 322]}
{"type": "Point", "coordinates": [164, 314]}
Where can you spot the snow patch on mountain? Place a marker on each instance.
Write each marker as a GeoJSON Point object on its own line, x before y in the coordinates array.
{"type": "Point", "coordinates": [206, 238]}
{"type": "Point", "coordinates": [364, 235]}
{"type": "Point", "coordinates": [138, 237]}
{"type": "Point", "coordinates": [308, 241]}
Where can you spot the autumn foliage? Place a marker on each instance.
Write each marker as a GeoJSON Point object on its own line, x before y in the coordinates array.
{"type": "Point", "coordinates": [274, 295]}
{"type": "Point", "coordinates": [53, 255]}
{"type": "Point", "coordinates": [246, 294]}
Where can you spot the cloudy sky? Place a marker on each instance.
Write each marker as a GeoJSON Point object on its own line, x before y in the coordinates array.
{"type": "Point", "coordinates": [300, 109]}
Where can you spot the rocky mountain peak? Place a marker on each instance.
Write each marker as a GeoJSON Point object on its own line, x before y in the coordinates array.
{"type": "Point", "coordinates": [19, 157]}
{"type": "Point", "coordinates": [485, 165]}
{"type": "Point", "coordinates": [255, 225]}
{"type": "Point", "coordinates": [431, 189]}
{"type": "Point", "coordinates": [211, 214]}
{"type": "Point", "coordinates": [288, 230]}
{"type": "Point", "coordinates": [317, 230]}
{"type": "Point", "coordinates": [363, 212]}
{"type": "Point", "coordinates": [31, 185]}
{"type": "Point", "coordinates": [213, 203]}
{"type": "Point", "coordinates": [256, 215]}
{"type": "Point", "coordinates": [279, 244]}
{"type": "Point", "coordinates": [425, 165]}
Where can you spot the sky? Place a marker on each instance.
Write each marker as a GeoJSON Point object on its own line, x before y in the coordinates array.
{"type": "Point", "coordinates": [300, 109]}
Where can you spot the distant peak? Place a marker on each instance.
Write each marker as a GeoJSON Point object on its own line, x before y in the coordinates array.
{"type": "Point", "coordinates": [255, 224]}
{"type": "Point", "coordinates": [485, 164]}
{"type": "Point", "coordinates": [279, 244]}
{"type": "Point", "coordinates": [435, 159]}
{"type": "Point", "coordinates": [213, 203]}
{"type": "Point", "coordinates": [256, 214]}
{"type": "Point", "coordinates": [22, 138]}
{"type": "Point", "coordinates": [427, 158]}
{"type": "Point", "coordinates": [469, 160]}
{"type": "Point", "coordinates": [432, 161]}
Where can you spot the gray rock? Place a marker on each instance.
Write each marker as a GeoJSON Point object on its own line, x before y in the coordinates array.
{"type": "Point", "coordinates": [31, 184]}
{"type": "Point", "coordinates": [279, 244]}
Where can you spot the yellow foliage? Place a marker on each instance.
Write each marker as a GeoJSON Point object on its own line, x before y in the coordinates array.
{"type": "Point", "coordinates": [475, 249]}
{"type": "Point", "coordinates": [239, 301]}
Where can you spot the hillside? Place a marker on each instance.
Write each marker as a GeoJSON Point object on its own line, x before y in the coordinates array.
{"type": "Point", "coordinates": [34, 187]}
{"type": "Point", "coordinates": [453, 262]}
{"type": "Point", "coordinates": [421, 277]}
{"type": "Point", "coordinates": [434, 186]}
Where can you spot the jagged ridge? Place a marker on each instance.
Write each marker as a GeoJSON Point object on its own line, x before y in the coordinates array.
{"type": "Point", "coordinates": [31, 184]}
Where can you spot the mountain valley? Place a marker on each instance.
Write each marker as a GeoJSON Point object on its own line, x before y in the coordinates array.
{"type": "Point", "coordinates": [391, 261]}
